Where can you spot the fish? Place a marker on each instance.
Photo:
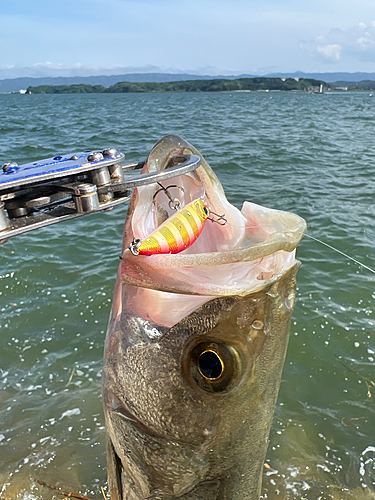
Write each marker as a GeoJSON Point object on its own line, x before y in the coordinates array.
{"type": "Point", "coordinates": [196, 343]}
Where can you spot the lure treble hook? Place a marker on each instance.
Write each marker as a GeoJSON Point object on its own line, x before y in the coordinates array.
{"type": "Point", "coordinates": [174, 203]}
{"type": "Point", "coordinates": [220, 219]}
{"type": "Point", "coordinates": [134, 246]}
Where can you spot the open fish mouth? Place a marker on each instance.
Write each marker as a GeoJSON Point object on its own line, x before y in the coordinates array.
{"type": "Point", "coordinates": [256, 245]}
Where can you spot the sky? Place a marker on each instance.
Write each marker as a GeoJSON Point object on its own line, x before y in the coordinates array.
{"type": "Point", "coordinates": [86, 37]}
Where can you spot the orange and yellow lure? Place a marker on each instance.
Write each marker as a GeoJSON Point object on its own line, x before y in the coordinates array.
{"type": "Point", "coordinates": [176, 233]}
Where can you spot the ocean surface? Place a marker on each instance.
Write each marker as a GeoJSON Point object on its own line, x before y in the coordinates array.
{"type": "Point", "coordinates": [309, 154]}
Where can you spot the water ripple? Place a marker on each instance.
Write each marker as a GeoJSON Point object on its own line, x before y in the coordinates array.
{"type": "Point", "coordinates": [312, 155]}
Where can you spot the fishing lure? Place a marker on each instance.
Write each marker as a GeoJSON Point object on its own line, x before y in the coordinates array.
{"type": "Point", "coordinates": [176, 233]}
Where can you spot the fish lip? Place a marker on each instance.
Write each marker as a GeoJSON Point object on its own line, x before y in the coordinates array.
{"type": "Point", "coordinates": [115, 406]}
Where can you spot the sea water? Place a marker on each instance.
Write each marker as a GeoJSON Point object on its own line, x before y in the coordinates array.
{"type": "Point", "coordinates": [313, 155]}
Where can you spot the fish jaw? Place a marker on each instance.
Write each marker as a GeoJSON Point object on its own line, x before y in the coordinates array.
{"type": "Point", "coordinates": [172, 435]}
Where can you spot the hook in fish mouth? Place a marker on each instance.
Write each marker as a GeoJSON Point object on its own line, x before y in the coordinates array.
{"type": "Point", "coordinates": [175, 234]}
{"type": "Point", "coordinates": [134, 246]}
{"type": "Point", "coordinates": [179, 231]}
{"type": "Point", "coordinates": [220, 219]}
{"type": "Point", "coordinates": [174, 203]}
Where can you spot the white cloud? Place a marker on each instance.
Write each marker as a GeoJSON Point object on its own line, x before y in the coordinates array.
{"type": "Point", "coordinates": [356, 42]}
{"type": "Point", "coordinates": [331, 52]}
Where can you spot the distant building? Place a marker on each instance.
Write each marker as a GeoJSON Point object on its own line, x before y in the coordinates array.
{"type": "Point", "coordinates": [317, 89]}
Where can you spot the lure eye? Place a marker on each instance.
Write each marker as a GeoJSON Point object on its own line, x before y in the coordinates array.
{"type": "Point", "coordinates": [205, 210]}
{"type": "Point", "coordinates": [213, 366]}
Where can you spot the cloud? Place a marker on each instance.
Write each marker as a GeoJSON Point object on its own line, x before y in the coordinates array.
{"type": "Point", "coordinates": [330, 52]}
{"type": "Point", "coordinates": [356, 42]}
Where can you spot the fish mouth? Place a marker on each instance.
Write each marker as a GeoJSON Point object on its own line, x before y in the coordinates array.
{"type": "Point", "coordinates": [116, 407]}
{"type": "Point", "coordinates": [124, 476]}
{"type": "Point", "coordinates": [256, 245]}
{"type": "Point", "coordinates": [138, 474]}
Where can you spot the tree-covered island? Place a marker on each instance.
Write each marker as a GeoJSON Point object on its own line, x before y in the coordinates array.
{"type": "Point", "coordinates": [218, 85]}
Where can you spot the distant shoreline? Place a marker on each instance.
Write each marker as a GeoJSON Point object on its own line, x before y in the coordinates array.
{"type": "Point", "coordinates": [347, 81]}
{"type": "Point", "coordinates": [216, 85]}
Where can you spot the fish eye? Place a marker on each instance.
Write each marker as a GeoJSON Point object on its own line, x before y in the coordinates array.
{"type": "Point", "coordinates": [205, 209]}
{"type": "Point", "coordinates": [210, 365]}
{"type": "Point", "coordinates": [213, 366]}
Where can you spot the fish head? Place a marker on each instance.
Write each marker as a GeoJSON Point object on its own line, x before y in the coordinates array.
{"type": "Point", "coordinates": [195, 345]}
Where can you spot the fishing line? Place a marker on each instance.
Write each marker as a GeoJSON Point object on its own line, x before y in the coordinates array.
{"type": "Point", "coordinates": [222, 218]}
{"type": "Point", "coordinates": [342, 253]}
{"type": "Point", "coordinates": [322, 243]}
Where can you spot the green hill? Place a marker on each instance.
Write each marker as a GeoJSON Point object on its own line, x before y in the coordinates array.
{"type": "Point", "coordinates": [216, 85]}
